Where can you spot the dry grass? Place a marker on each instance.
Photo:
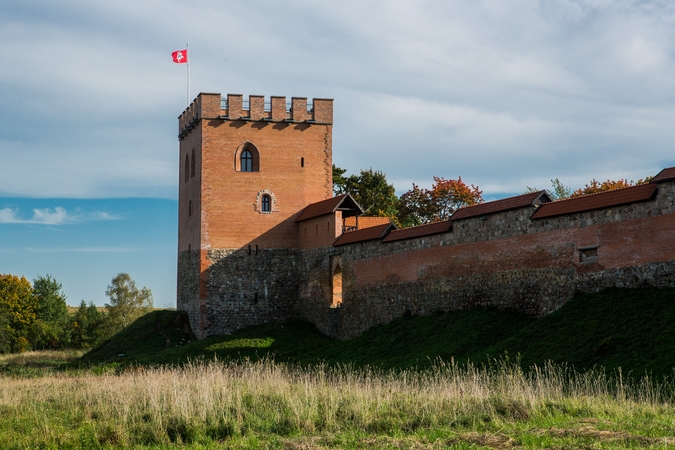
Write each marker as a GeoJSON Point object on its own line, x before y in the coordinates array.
{"type": "Point", "coordinates": [240, 403]}
{"type": "Point", "coordinates": [36, 358]}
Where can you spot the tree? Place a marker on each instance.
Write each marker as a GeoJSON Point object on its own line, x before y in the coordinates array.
{"type": "Point", "coordinates": [561, 192]}
{"type": "Point", "coordinates": [414, 207]}
{"type": "Point", "coordinates": [370, 190]}
{"type": "Point", "coordinates": [339, 181]}
{"type": "Point", "coordinates": [86, 326]}
{"type": "Point", "coordinates": [18, 309]}
{"type": "Point", "coordinates": [127, 303]}
{"type": "Point", "coordinates": [51, 300]}
{"type": "Point", "coordinates": [6, 334]}
{"type": "Point", "coordinates": [50, 329]}
{"type": "Point", "coordinates": [419, 206]}
{"type": "Point", "coordinates": [595, 187]}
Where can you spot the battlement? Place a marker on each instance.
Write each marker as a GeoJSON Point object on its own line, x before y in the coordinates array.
{"type": "Point", "coordinates": [233, 107]}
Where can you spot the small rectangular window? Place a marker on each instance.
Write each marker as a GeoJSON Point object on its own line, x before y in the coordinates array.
{"type": "Point", "coordinates": [302, 162]}
{"type": "Point", "coordinates": [256, 250]}
{"type": "Point", "coordinates": [588, 255]}
{"type": "Point", "coordinates": [249, 249]}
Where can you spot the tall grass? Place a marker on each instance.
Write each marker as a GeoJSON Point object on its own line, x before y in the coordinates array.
{"type": "Point", "coordinates": [40, 358]}
{"type": "Point", "coordinates": [209, 402]}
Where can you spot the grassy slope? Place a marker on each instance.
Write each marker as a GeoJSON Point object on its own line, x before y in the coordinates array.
{"type": "Point", "coordinates": [634, 329]}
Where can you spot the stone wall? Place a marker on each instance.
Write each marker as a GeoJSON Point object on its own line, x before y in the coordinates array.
{"type": "Point", "coordinates": [248, 287]}
{"type": "Point", "coordinates": [504, 260]}
{"type": "Point", "coordinates": [187, 295]}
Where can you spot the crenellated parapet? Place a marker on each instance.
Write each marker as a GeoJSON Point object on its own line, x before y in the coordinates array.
{"type": "Point", "coordinates": [233, 107]}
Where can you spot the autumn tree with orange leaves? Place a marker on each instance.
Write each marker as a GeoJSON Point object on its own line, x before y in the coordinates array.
{"type": "Point", "coordinates": [419, 206]}
{"type": "Point", "coordinates": [561, 192]}
{"type": "Point", "coordinates": [595, 187]}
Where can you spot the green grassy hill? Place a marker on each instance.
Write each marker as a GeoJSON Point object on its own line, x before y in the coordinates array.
{"type": "Point", "coordinates": [632, 329]}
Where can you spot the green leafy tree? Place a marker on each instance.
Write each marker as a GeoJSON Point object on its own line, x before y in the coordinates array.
{"type": "Point", "coordinates": [339, 180]}
{"type": "Point", "coordinates": [18, 306]}
{"type": "Point", "coordinates": [370, 190]}
{"type": "Point", "coordinates": [86, 326]}
{"type": "Point", "coordinates": [559, 191]}
{"type": "Point", "coordinates": [6, 334]}
{"type": "Point", "coordinates": [50, 329]}
{"type": "Point", "coordinates": [127, 303]}
{"type": "Point", "coordinates": [51, 300]}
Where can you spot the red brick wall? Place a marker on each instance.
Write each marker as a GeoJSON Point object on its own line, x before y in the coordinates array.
{"type": "Point", "coordinates": [320, 231]}
{"type": "Point", "coordinates": [189, 226]}
{"type": "Point", "coordinates": [630, 243]}
{"type": "Point", "coordinates": [295, 167]}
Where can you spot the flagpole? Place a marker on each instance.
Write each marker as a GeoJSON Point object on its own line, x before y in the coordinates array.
{"type": "Point", "coordinates": [187, 48]}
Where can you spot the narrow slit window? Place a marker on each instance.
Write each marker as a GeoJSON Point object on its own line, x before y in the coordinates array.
{"type": "Point", "coordinates": [302, 162]}
{"type": "Point", "coordinates": [187, 168]}
{"type": "Point", "coordinates": [190, 208]}
{"type": "Point", "coordinates": [192, 166]}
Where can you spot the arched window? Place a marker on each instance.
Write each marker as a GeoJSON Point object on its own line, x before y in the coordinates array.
{"type": "Point", "coordinates": [192, 168]}
{"type": "Point", "coordinates": [187, 168]}
{"type": "Point", "coordinates": [247, 158]}
{"type": "Point", "coordinates": [246, 161]}
{"type": "Point", "coordinates": [266, 203]}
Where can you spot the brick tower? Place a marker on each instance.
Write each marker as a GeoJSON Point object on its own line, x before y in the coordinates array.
{"type": "Point", "coordinates": [247, 170]}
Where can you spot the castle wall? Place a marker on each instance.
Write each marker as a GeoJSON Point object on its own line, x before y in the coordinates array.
{"type": "Point", "coordinates": [320, 231]}
{"type": "Point", "coordinates": [503, 261]}
{"type": "Point", "coordinates": [240, 266]}
{"type": "Point", "coordinates": [248, 288]}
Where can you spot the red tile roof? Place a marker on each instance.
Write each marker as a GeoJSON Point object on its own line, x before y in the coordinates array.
{"type": "Point", "coordinates": [366, 221]}
{"type": "Point", "coordinates": [667, 174]}
{"type": "Point", "coordinates": [497, 206]}
{"type": "Point", "coordinates": [365, 234]}
{"type": "Point", "coordinates": [419, 231]}
{"type": "Point", "coordinates": [344, 201]}
{"type": "Point", "coordinates": [623, 196]}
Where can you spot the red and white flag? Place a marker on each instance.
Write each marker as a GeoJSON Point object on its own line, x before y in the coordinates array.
{"type": "Point", "coordinates": [180, 56]}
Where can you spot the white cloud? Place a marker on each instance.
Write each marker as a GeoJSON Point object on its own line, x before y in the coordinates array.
{"type": "Point", "coordinates": [52, 216]}
{"type": "Point", "coordinates": [583, 84]}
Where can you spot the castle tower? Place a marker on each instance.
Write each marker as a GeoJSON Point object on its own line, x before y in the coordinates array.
{"type": "Point", "coordinates": [247, 169]}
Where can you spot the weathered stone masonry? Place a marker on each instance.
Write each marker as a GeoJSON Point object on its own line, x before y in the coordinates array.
{"type": "Point", "coordinates": [239, 265]}
{"type": "Point", "coordinates": [504, 261]}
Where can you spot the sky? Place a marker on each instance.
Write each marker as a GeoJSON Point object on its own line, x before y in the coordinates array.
{"type": "Point", "coordinates": [506, 94]}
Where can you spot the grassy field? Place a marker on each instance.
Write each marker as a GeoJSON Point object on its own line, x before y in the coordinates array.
{"type": "Point", "coordinates": [598, 373]}
{"type": "Point", "coordinates": [633, 329]}
{"type": "Point", "coordinates": [270, 405]}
